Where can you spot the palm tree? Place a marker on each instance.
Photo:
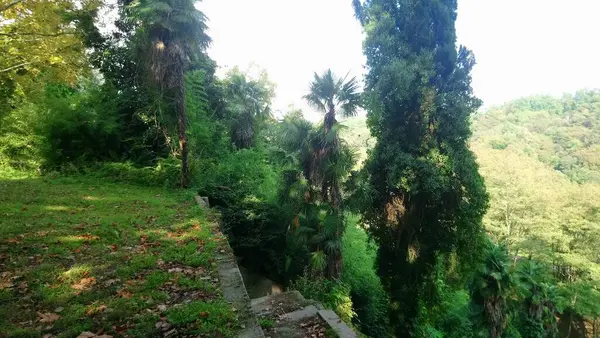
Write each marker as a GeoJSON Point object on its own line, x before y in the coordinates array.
{"type": "Point", "coordinates": [330, 95]}
{"type": "Point", "coordinates": [249, 102]}
{"type": "Point", "coordinates": [491, 287]}
{"type": "Point", "coordinates": [172, 34]}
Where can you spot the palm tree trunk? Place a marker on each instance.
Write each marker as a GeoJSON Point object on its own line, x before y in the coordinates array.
{"type": "Point", "coordinates": [181, 125]}
{"type": "Point", "coordinates": [334, 265]}
{"type": "Point", "coordinates": [331, 193]}
{"type": "Point", "coordinates": [329, 120]}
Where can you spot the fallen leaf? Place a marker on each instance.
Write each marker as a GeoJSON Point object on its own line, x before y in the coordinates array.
{"type": "Point", "coordinates": [204, 314]}
{"type": "Point", "coordinates": [48, 317]}
{"type": "Point", "coordinates": [59, 309]}
{"type": "Point", "coordinates": [14, 241]}
{"type": "Point", "coordinates": [120, 328]}
{"type": "Point", "coordinates": [22, 286]}
{"type": "Point", "coordinates": [86, 334]}
{"type": "Point", "coordinates": [125, 294]}
{"type": "Point", "coordinates": [94, 310]}
{"type": "Point", "coordinates": [84, 283]}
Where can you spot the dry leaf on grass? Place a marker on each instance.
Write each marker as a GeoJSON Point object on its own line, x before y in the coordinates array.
{"type": "Point", "coordinates": [125, 294]}
{"type": "Point", "coordinates": [48, 317]}
{"type": "Point", "coordinates": [84, 283]}
{"type": "Point", "coordinates": [5, 285]}
{"type": "Point", "coordinates": [87, 334]}
{"type": "Point", "coordinates": [94, 310]}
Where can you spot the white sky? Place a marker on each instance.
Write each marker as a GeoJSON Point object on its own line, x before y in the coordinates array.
{"type": "Point", "coordinates": [522, 47]}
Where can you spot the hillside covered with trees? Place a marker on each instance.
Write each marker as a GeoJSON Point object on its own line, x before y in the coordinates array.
{"type": "Point", "coordinates": [538, 158]}
{"type": "Point", "coordinates": [426, 218]}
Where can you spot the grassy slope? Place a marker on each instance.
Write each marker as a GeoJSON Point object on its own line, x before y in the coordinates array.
{"type": "Point", "coordinates": [80, 255]}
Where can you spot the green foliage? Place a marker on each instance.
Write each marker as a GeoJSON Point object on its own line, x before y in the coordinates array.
{"type": "Point", "coordinates": [332, 294]}
{"type": "Point", "coordinates": [427, 196]}
{"type": "Point", "coordinates": [317, 161]}
{"type": "Point", "coordinates": [266, 323]}
{"type": "Point", "coordinates": [21, 145]}
{"type": "Point", "coordinates": [369, 300]}
{"type": "Point", "coordinates": [560, 132]}
{"type": "Point", "coordinates": [248, 105]}
{"type": "Point", "coordinates": [538, 206]}
{"type": "Point", "coordinates": [490, 289]}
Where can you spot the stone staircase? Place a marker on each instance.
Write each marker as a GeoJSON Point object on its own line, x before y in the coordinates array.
{"type": "Point", "coordinates": [284, 315]}
{"type": "Point", "coordinates": [289, 315]}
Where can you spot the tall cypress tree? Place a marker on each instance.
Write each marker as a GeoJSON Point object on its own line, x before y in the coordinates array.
{"type": "Point", "coordinates": [427, 197]}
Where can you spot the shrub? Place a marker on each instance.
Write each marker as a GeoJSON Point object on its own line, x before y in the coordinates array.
{"type": "Point", "coordinates": [166, 173]}
{"type": "Point", "coordinates": [332, 294]}
{"type": "Point", "coordinates": [369, 300]}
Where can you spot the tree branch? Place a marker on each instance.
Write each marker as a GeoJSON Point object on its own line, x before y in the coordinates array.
{"type": "Point", "coordinates": [13, 67]}
{"type": "Point", "coordinates": [12, 4]}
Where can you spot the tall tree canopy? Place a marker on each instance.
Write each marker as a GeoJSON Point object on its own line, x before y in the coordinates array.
{"type": "Point", "coordinates": [427, 196]}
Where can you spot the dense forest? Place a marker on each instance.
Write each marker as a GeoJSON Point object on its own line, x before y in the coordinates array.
{"type": "Point", "coordinates": [537, 157]}
{"type": "Point", "coordinates": [429, 217]}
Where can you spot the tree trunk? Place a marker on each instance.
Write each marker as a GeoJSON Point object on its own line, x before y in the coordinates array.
{"type": "Point", "coordinates": [331, 193]}
{"type": "Point", "coordinates": [181, 126]}
{"type": "Point", "coordinates": [334, 265]}
{"type": "Point", "coordinates": [329, 121]}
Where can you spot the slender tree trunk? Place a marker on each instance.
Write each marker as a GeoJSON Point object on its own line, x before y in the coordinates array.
{"type": "Point", "coordinates": [334, 259]}
{"type": "Point", "coordinates": [334, 265]}
{"type": "Point", "coordinates": [181, 125]}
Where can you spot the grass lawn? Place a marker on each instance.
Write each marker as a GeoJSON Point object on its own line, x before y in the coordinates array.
{"type": "Point", "coordinates": [81, 257]}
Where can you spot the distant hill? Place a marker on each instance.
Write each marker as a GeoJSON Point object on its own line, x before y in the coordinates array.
{"type": "Point", "coordinates": [540, 157]}
{"type": "Point", "coordinates": [563, 133]}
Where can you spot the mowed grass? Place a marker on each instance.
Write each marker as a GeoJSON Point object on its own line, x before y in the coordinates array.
{"type": "Point", "coordinates": [83, 256]}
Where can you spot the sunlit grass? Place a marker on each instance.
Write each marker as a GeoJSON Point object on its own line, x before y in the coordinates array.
{"type": "Point", "coordinates": [104, 257]}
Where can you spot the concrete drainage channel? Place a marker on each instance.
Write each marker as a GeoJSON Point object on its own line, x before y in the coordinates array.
{"type": "Point", "coordinates": [285, 315]}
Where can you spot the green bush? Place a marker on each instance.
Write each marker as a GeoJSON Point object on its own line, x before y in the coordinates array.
{"type": "Point", "coordinates": [369, 300]}
{"type": "Point", "coordinates": [334, 295]}
{"type": "Point", "coordinates": [166, 173]}
{"type": "Point", "coordinates": [21, 146]}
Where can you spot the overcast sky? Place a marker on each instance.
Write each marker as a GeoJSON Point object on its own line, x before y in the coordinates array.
{"type": "Point", "coordinates": [522, 47]}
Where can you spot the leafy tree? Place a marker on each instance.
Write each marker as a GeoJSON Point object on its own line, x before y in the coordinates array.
{"type": "Point", "coordinates": [316, 222]}
{"type": "Point", "coordinates": [538, 298]}
{"type": "Point", "coordinates": [40, 41]}
{"type": "Point", "coordinates": [491, 287]}
{"type": "Point", "coordinates": [171, 33]}
{"type": "Point", "coordinates": [331, 95]}
{"type": "Point", "coordinates": [248, 101]}
{"type": "Point", "coordinates": [428, 198]}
